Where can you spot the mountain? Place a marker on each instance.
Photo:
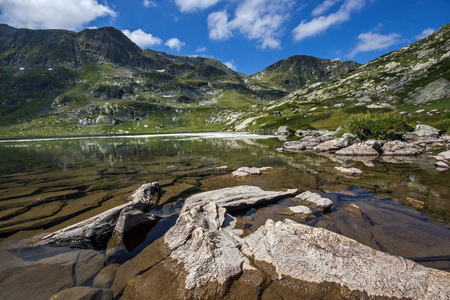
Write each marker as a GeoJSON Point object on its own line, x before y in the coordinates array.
{"type": "Point", "coordinates": [414, 81]}
{"type": "Point", "coordinates": [97, 80]}
{"type": "Point", "coordinates": [298, 71]}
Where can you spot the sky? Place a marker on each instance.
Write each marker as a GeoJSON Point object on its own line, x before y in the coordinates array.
{"type": "Point", "coordinates": [246, 35]}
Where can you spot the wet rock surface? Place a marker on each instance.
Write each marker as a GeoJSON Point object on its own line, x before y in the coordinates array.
{"type": "Point", "coordinates": [95, 232]}
{"type": "Point", "coordinates": [237, 197]}
{"type": "Point", "coordinates": [201, 257]}
{"type": "Point", "coordinates": [349, 171]}
{"type": "Point", "coordinates": [315, 200]}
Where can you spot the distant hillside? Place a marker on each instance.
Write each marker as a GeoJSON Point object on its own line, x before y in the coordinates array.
{"type": "Point", "coordinates": [414, 80]}
{"type": "Point", "coordinates": [297, 71]}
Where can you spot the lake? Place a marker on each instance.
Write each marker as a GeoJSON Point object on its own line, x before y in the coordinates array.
{"type": "Point", "coordinates": [47, 184]}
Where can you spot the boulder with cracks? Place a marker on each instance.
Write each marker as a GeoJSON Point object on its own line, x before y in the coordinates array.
{"type": "Point", "coordinates": [95, 232]}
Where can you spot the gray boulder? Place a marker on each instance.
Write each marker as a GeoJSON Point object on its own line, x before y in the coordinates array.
{"type": "Point", "coordinates": [318, 255]}
{"type": "Point", "coordinates": [444, 156]}
{"type": "Point", "coordinates": [237, 197]}
{"type": "Point", "coordinates": [358, 149]}
{"type": "Point", "coordinates": [208, 251]}
{"type": "Point", "coordinates": [95, 232]}
{"type": "Point", "coordinates": [307, 143]}
{"type": "Point", "coordinates": [336, 144]}
{"type": "Point", "coordinates": [400, 148]}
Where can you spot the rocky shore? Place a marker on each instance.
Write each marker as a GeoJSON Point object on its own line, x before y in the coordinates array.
{"type": "Point", "coordinates": [205, 255]}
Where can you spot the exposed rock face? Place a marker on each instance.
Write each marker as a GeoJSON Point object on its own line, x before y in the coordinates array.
{"type": "Point", "coordinates": [83, 292]}
{"type": "Point", "coordinates": [246, 171]}
{"type": "Point", "coordinates": [317, 255]}
{"type": "Point", "coordinates": [314, 199]}
{"type": "Point", "coordinates": [237, 197]}
{"type": "Point", "coordinates": [400, 148]}
{"type": "Point", "coordinates": [95, 232]}
{"type": "Point", "coordinates": [348, 171]}
{"type": "Point", "coordinates": [435, 90]}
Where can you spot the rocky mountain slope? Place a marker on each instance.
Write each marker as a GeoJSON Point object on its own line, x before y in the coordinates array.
{"type": "Point", "coordinates": [56, 82]}
{"type": "Point", "coordinates": [413, 81]}
{"type": "Point", "coordinates": [297, 71]}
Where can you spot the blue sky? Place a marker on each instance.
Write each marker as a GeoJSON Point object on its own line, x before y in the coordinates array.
{"type": "Point", "coordinates": [247, 35]}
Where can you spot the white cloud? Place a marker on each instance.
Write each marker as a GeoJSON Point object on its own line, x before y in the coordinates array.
{"type": "Point", "coordinates": [320, 24]}
{"type": "Point", "coordinates": [260, 20]}
{"type": "Point", "coordinates": [201, 49]}
{"type": "Point", "coordinates": [142, 39]}
{"type": "Point", "coordinates": [61, 14]}
{"type": "Point", "coordinates": [424, 33]}
{"type": "Point", "coordinates": [174, 43]}
{"type": "Point", "coordinates": [193, 5]}
{"type": "Point", "coordinates": [374, 41]}
{"type": "Point", "coordinates": [230, 64]}
{"type": "Point", "coordinates": [323, 7]}
{"type": "Point", "coordinates": [149, 3]}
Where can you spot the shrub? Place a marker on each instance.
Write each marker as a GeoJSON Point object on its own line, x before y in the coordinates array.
{"type": "Point", "coordinates": [377, 126]}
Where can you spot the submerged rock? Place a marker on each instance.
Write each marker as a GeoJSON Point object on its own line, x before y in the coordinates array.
{"type": "Point", "coordinates": [237, 197]}
{"type": "Point", "coordinates": [95, 232]}
{"type": "Point", "coordinates": [348, 171]}
{"type": "Point", "coordinates": [246, 171]}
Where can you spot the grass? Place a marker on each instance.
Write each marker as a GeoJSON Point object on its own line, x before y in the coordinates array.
{"type": "Point", "coordinates": [376, 126]}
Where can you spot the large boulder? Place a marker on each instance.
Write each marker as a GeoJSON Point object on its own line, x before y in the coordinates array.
{"type": "Point", "coordinates": [95, 232]}
{"type": "Point", "coordinates": [237, 197]}
{"type": "Point", "coordinates": [336, 144]}
{"type": "Point", "coordinates": [400, 148]}
{"type": "Point", "coordinates": [358, 149]}
{"type": "Point", "coordinates": [307, 143]}
{"type": "Point", "coordinates": [321, 256]}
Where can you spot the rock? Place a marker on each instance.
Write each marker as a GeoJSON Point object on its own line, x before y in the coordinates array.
{"type": "Point", "coordinates": [311, 132]}
{"type": "Point", "coordinates": [441, 164]}
{"type": "Point", "coordinates": [400, 148]}
{"type": "Point", "coordinates": [246, 171]}
{"type": "Point", "coordinates": [339, 105]}
{"type": "Point", "coordinates": [300, 209]}
{"type": "Point", "coordinates": [426, 130]}
{"type": "Point", "coordinates": [444, 156]}
{"type": "Point", "coordinates": [283, 130]}
{"type": "Point", "coordinates": [346, 140]}
{"type": "Point", "coordinates": [379, 105]}
{"type": "Point", "coordinates": [354, 209]}
{"type": "Point", "coordinates": [317, 255]}
{"type": "Point", "coordinates": [237, 197]}
{"type": "Point", "coordinates": [358, 149]}
{"type": "Point", "coordinates": [208, 252]}
{"type": "Point", "coordinates": [61, 271]}
{"type": "Point", "coordinates": [435, 90]}
{"type": "Point", "coordinates": [130, 221]}
{"type": "Point", "coordinates": [417, 204]}
{"type": "Point", "coordinates": [83, 293]}
{"type": "Point", "coordinates": [307, 143]}
{"type": "Point", "coordinates": [220, 169]}
{"type": "Point", "coordinates": [348, 171]}
{"type": "Point", "coordinates": [314, 199]}
{"type": "Point", "coordinates": [105, 277]}
{"type": "Point", "coordinates": [95, 232]}
{"type": "Point", "coordinates": [61, 101]}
